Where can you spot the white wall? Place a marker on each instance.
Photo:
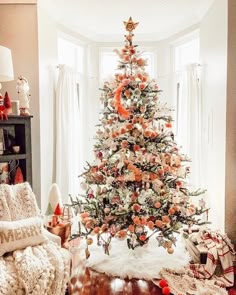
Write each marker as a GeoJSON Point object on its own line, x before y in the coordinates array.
{"type": "Point", "coordinates": [230, 183]}
{"type": "Point", "coordinates": [47, 36]}
{"type": "Point", "coordinates": [19, 32]}
{"type": "Point", "coordinates": [213, 51]}
{"type": "Point", "coordinates": [91, 107]}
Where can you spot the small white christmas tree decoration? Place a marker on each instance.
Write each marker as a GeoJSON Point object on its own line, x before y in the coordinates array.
{"type": "Point", "coordinates": [54, 196]}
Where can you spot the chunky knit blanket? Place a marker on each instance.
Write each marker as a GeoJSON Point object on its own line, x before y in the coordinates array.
{"type": "Point", "coordinates": [38, 270]}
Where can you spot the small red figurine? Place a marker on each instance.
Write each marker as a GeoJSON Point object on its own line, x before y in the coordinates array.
{"type": "Point", "coordinates": [5, 105]}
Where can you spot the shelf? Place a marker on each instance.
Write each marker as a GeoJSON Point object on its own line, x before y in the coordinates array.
{"type": "Point", "coordinates": [13, 119]}
{"type": "Point", "coordinates": [6, 158]}
{"type": "Point", "coordinates": [17, 116]}
{"type": "Point", "coordinates": [16, 131]}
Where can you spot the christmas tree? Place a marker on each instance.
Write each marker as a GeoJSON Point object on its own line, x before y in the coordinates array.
{"type": "Point", "coordinates": [138, 186]}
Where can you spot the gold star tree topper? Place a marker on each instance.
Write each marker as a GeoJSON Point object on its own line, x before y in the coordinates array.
{"type": "Point", "coordinates": [130, 25]}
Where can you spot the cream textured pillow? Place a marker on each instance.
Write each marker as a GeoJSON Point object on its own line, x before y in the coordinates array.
{"type": "Point", "coordinates": [19, 234]}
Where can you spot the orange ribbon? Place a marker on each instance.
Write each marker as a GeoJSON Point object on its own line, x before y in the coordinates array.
{"type": "Point", "coordinates": [121, 110]}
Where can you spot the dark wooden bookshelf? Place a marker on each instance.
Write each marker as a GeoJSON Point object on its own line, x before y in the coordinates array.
{"type": "Point", "coordinates": [17, 132]}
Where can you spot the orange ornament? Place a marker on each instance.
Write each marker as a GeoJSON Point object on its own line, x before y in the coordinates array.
{"type": "Point", "coordinates": [84, 215]}
{"type": "Point", "coordinates": [147, 133]}
{"type": "Point", "coordinates": [124, 143]}
{"type": "Point", "coordinates": [89, 241]}
{"type": "Point", "coordinates": [150, 224]}
{"type": "Point", "coordinates": [170, 250]}
{"type": "Point", "coordinates": [168, 125]}
{"type": "Point", "coordinates": [136, 220]}
{"type": "Point", "coordinates": [140, 76]}
{"type": "Point", "coordinates": [141, 62]}
{"type": "Point", "coordinates": [171, 211]}
{"type": "Point", "coordinates": [177, 208]}
{"type": "Point", "coordinates": [143, 220]}
{"type": "Point", "coordinates": [104, 227]}
{"type": "Point", "coordinates": [138, 177]}
{"type": "Point", "coordinates": [126, 57]}
{"type": "Point", "coordinates": [136, 147]}
{"type": "Point", "coordinates": [165, 219]}
{"type": "Point", "coordinates": [129, 126]}
{"type": "Point", "coordinates": [131, 228]}
{"type": "Point", "coordinates": [121, 234]}
{"type": "Point", "coordinates": [136, 207]}
{"type": "Point", "coordinates": [157, 205]}
{"type": "Point", "coordinates": [153, 176]}
{"type": "Point", "coordinates": [96, 230]}
{"type": "Point", "coordinates": [158, 223]}
{"type": "Point", "coordinates": [122, 131]}
{"type": "Point", "coordinates": [142, 238]}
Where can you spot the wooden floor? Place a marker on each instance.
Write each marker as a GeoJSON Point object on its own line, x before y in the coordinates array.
{"type": "Point", "coordinates": [92, 283]}
{"type": "Point", "coordinates": [88, 282]}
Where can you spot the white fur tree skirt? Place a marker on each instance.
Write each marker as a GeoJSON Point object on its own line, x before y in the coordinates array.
{"type": "Point", "coordinates": [142, 263]}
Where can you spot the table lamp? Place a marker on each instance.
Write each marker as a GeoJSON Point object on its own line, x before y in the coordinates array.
{"type": "Point", "coordinates": [6, 67]}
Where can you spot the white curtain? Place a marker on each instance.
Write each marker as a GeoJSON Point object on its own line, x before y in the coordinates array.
{"type": "Point", "coordinates": [189, 120]}
{"type": "Point", "coordinates": [67, 133]}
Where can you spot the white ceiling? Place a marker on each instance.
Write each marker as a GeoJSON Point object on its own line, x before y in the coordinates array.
{"type": "Point", "coordinates": [102, 20]}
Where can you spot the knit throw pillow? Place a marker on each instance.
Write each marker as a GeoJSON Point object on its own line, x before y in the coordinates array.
{"type": "Point", "coordinates": [19, 234]}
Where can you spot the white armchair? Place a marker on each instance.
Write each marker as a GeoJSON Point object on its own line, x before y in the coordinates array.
{"type": "Point", "coordinates": [31, 259]}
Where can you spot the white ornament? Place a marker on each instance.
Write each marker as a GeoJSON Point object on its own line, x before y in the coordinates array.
{"type": "Point", "coordinates": [114, 146]}
{"type": "Point", "coordinates": [54, 197]}
{"type": "Point", "coordinates": [84, 186]}
{"type": "Point", "coordinates": [120, 165]}
{"type": "Point", "coordinates": [110, 179]}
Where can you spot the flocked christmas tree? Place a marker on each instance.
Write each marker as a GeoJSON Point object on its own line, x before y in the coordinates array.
{"type": "Point", "coordinates": [138, 186]}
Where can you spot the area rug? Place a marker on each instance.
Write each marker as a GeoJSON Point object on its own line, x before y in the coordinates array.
{"type": "Point", "coordinates": [141, 263]}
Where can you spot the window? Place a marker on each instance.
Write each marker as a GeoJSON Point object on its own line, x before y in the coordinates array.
{"type": "Point", "coordinates": [150, 57]}
{"type": "Point", "coordinates": [71, 54]}
{"type": "Point", "coordinates": [187, 89]}
{"type": "Point", "coordinates": [109, 61]}
{"type": "Point", "coordinates": [186, 53]}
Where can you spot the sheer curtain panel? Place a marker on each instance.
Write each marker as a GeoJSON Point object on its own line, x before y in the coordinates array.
{"type": "Point", "coordinates": [67, 133]}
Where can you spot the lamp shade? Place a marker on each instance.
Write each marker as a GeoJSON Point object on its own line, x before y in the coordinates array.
{"type": "Point", "coordinates": [6, 67]}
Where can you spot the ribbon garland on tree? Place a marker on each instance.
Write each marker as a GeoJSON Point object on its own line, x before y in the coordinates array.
{"type": "Point", "coordinates": [119, 107]}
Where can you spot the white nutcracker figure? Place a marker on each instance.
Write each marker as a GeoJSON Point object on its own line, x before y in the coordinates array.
{"type": "Point", "coordinates": [22, 88]}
